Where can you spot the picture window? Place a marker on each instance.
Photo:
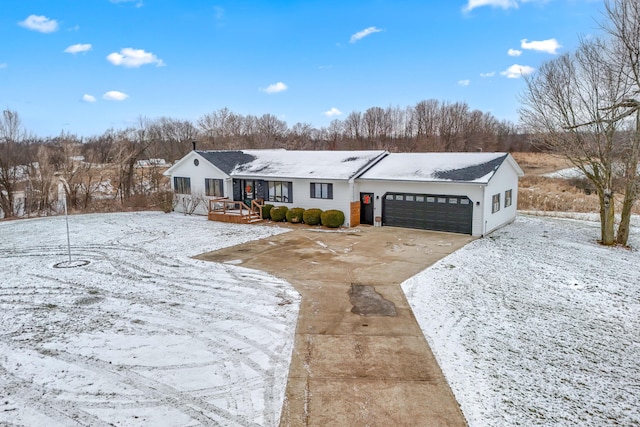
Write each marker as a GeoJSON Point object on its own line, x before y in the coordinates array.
{"type": "Point", "coordinates": [213, 187]}
{"type": "Point", "coordinates": [182, 185]}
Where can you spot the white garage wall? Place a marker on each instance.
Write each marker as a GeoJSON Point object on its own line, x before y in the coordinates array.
{"type": "Point", "coordinates": [473, 191]}
{"type": "Point", "coordinates": [504, 179]}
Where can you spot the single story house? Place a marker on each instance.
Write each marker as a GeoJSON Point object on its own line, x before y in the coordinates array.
{"type": "Point", "coordinates": [470, 193]}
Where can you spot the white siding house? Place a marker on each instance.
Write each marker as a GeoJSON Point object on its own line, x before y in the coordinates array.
{"type": "Point", "coordinates": [471, 193]}
{"type": "Point", "coordinates": [189, 177]}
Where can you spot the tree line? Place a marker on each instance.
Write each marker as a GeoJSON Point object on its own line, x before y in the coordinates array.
{"type": "Point", "coordinates": [31, 164]}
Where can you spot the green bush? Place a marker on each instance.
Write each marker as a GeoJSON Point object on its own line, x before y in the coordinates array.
{"type": "Point", "coordinates": [312, 216]}
{"type": "Point", "coordinates": [295, 215]}
{"type": "Point", "coordinates": [278, 213]}
{"type": "Point", "coordinates": [332, 218]}
{"type": "Point", "coordinates": [266, 211]}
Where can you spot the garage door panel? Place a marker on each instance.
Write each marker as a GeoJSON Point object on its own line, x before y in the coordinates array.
{"type": "Point", "coordinates": [429, 212]}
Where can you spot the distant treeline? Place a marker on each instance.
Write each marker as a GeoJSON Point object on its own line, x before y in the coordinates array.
{"type": "Point", "coordinates": [28, 163]}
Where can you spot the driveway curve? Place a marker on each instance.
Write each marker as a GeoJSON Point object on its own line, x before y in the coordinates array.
{"type": "Point", "coordinates": [360, 358]}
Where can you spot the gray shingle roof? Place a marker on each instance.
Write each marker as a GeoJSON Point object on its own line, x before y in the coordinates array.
{"type": "Point", "coordinates": [470, 173]}
{"type": "Point", "coordinates": [227, 161]}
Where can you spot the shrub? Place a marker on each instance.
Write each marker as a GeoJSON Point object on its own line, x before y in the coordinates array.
{"type": "Point", "coordinates": [278, 213]}
{"type": "Point", "coordinates": [164, 201]}
{"type": "Point", "coordinates": [266, 211]}
{"type": "Point", "coordinates": [295, 215]}
{"type": "Point", "coordinates": [332, 218]}
{"type": "Point", "coordinates": [312, 216]}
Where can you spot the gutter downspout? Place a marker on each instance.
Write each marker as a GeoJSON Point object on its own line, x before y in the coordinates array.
{"type": "Point", "coordinates": [484, 220]}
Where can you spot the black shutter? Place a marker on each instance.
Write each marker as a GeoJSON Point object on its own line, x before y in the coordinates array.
{"type": "Point", "coordinates": [330, 191]}
{"type": "Point", "coordinates": [237, 190]}
{"type": "Point", "coordinates": [290, 191]}
{"type": "Point", "coordinates": [261, 190]}
{"type": "Point", "coordinates": [312, 187]}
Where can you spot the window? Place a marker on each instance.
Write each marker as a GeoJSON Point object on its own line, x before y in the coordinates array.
{"type": "Point", "coordinates": [431, 199]}
{"type": "Point", "coordinates": [507, 198]}
{"type": "Point", "coordinates": [182, 185]}
{"type": "Point", "coordinates": [280, 191]}
{"type": "Point", "coordinates": [408, 198]}
{"type": "Point", "coordinates": [495, 201]}
{"type": "Point", "coordinates": [419, 198]}
{"type": "Point", "coordinates": [321, 190]}
{"type": "Point", "coordinates": [453, 201]}
{"type": "Point", "coordinates": [464, 201]}
{"type": "Point", "coordinates": [214, 187]}
{"type": "Point", "coordinates": [442, 200]}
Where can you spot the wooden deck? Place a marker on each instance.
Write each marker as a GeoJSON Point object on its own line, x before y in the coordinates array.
{"type": "Point", "coordinates": [225, 210]}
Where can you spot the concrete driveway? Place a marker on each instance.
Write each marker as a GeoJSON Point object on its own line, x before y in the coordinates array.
{"type": "Point", "coordinates": [360, 358]}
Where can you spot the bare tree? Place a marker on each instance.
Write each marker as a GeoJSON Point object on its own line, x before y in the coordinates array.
{"type": "Point", "coordinates": [12, 136]}
{"type": "Point", "coordinates": [623, 28]}
{"type": "Point", "coordinates": [575, 106]}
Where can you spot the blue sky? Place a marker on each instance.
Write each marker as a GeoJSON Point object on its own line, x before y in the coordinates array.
{"type": "Point", "coordinates": [84, 66]}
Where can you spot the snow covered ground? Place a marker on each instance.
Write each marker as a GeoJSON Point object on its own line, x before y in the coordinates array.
{"type": "Point", "coordinates": [534, 325]}
{"type": "Point", "coordinates": [143, 334]}
{"type": "Point", "coordinates": [537, 325]}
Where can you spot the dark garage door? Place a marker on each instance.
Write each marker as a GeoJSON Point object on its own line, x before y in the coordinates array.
{"type": "Point", "coordinates": [428, 212]}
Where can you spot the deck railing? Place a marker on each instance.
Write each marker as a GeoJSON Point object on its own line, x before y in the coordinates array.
{"type": "Point", "coordinates": [234, 207]}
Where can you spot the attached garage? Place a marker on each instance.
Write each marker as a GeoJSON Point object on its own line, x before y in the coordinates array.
{"type": "Point", "coordinates": [468, 193]}
{"type": "Point", "coordinates": [428, 212]}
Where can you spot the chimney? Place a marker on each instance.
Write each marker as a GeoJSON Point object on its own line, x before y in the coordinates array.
{"type": "Point", "coordinates": [194, 145]}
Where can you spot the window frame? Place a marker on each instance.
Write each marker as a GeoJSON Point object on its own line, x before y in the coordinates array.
{"type": "Point", "coordinates": [325, 190]}
{"type": "Point", "coordinates": [213, 184]}
{"type": "Point", "coordinates": [508, 198]}
{"type": "Point", "coordinates": [281, 197]}
{"type": "Point", "coordinates": [495, 203]}
{"type": "Point", "coordinates": [182, 185]}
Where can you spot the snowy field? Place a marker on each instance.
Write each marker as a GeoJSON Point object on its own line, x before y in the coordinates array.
{"type": "Point", "coordinates": [537, 325]}
{"type": "Point", "coordinates": [143, 334]}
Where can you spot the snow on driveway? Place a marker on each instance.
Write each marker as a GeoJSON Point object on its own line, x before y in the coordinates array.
{"type": "Point", "coordinates": [537, 325]}
{"type": "Point", "coordinates": [143, 334]}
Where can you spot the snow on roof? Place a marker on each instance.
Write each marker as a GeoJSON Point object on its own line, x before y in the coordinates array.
{"type": "Point", "coordinates": [292, 164]}
{"type": "Point", "coordinates": [467, 167]}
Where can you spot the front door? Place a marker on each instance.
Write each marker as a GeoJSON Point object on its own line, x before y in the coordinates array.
{"type": "Point", "coordinates": [248, 191]}
{"type": "Point", "coordinates": [366, 208]}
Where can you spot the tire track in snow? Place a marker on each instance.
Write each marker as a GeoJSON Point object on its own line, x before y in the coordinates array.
{"type": "Point", "coordinates": [150, 294]}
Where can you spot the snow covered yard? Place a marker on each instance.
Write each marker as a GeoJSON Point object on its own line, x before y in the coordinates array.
{"type": "Point", "coordinates": [537, 325]}
{"type": "Point", "coordinates": [143, 334]}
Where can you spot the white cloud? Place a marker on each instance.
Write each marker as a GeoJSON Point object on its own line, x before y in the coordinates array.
{"type": "Point", "coordinates": [3, 65]}
{"type": "Point", "coordinates": [516, 71]}
{"type": "Point", "coordinates": [333, 112]}
{"type": "Point", "coordinates": [275, 88]}
{"type": "Point", "coordinates": [514, 52]}
{"type": "Point", "coordinates": [505, 4]}
{"type": "Point", "coordinates": [489, 74]}
{"type": "Point", "coordinates": [89, 98]}
{"type": "Point", "coordinates": [465, 82]}
{"type": "Point", "coordinates": [114, 95]}
{"type": "Point", "coordinates": [77, 48]}
{"type": "Point", "coordinates": [549, 46]}
{"type": "Point", "coordinates": [364, 33]}
{"type": "Point", "coordinates": [133, 58]}
{"type": "Point", "coordinates": [39, 23]}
